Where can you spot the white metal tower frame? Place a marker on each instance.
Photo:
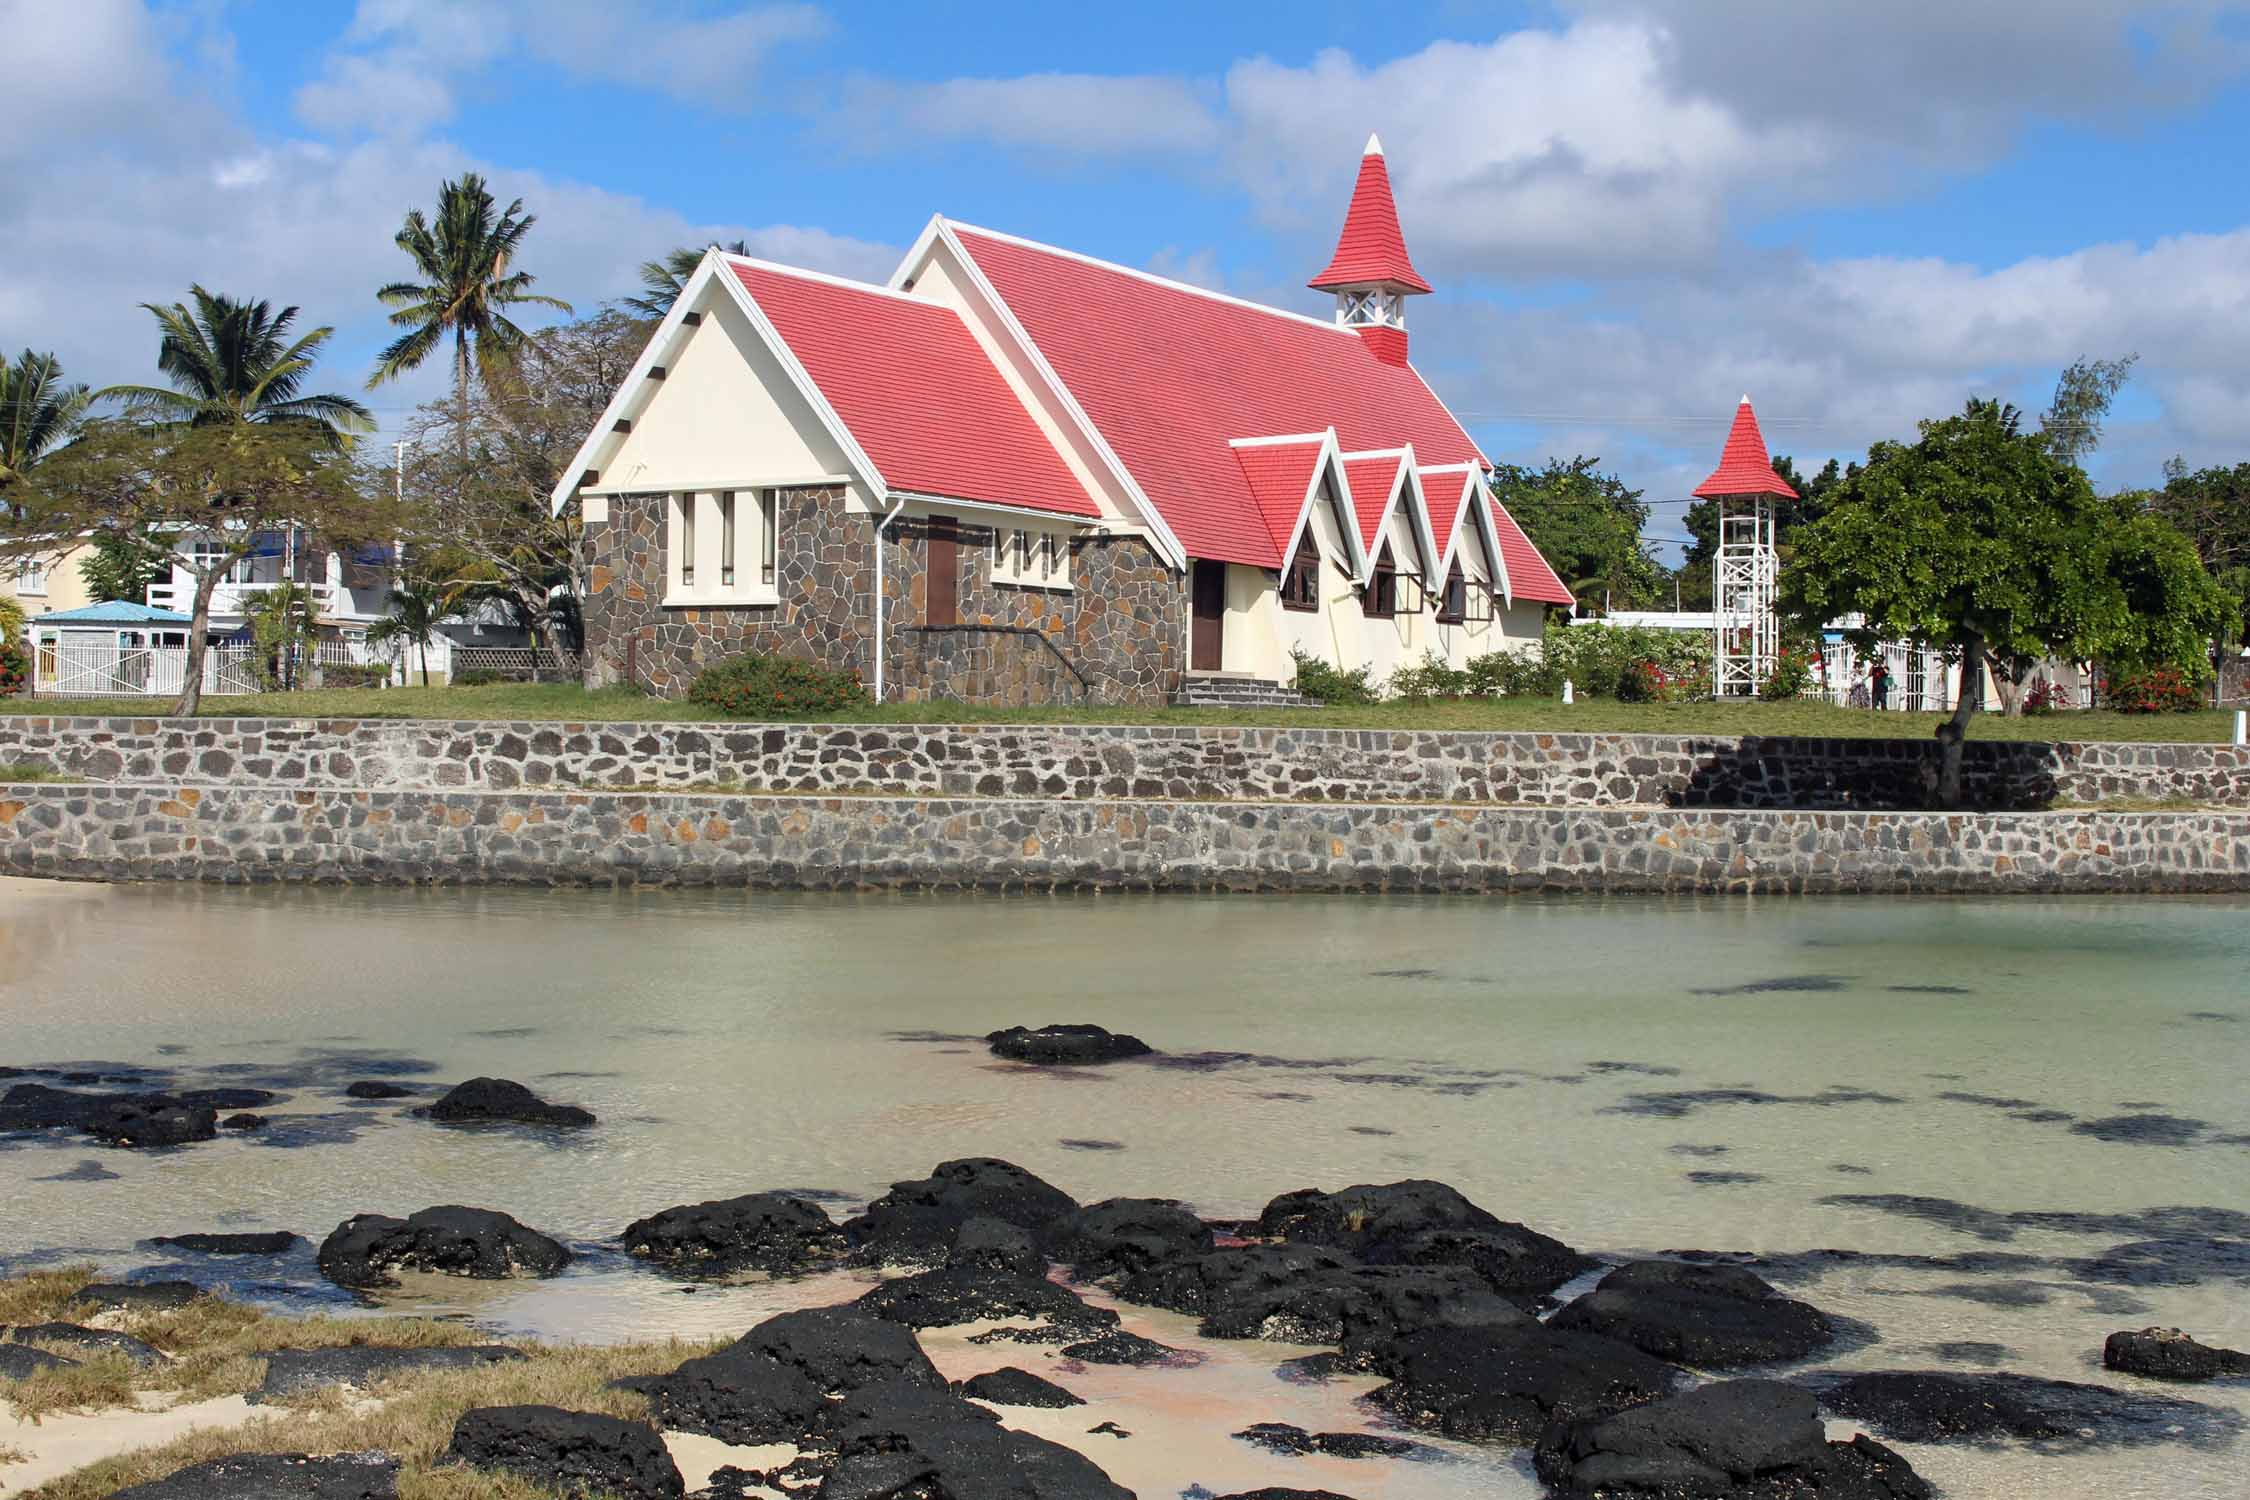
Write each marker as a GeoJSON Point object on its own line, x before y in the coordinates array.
{"type": "Point", "coordinates": [1745, 635]}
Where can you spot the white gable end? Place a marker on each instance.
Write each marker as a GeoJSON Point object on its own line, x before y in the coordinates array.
{"type": "Point", "coordinates": [725, 413]}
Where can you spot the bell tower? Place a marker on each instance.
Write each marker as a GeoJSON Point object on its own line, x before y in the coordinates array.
{"type": "Point", "coordinates": [1370, 272]}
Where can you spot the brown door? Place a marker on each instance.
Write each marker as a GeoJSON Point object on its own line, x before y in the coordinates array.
{"type": "Point", "coordinates": [941, 588]}
{"type": "Point", "coordinates": [1208, 617]}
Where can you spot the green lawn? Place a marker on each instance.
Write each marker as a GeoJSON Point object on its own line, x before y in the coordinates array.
{"type": "Point", "coordinates": [555, 701]}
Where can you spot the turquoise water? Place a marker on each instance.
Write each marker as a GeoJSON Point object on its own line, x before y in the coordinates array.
{"type": "Point", "coordinates": [1631, 1075]}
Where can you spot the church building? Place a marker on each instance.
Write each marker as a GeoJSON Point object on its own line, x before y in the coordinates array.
{"type": "Point", "coordinates": [1020, 475]}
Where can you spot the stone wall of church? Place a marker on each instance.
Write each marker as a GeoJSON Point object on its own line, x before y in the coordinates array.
{"type": "Point", "coordinates": [1116, 636]}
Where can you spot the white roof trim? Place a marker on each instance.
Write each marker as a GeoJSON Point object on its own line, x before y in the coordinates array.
{"type": "Point", "coordinates": [1403, 476]}
{"type": "Point", "coordinates": [826, 279]}
{"type": "Point", "coordinates": [1324, 324]}
{"type": "Point", "coordinates": [637, 389]}
{"type": "Point", "coordinates": [951, 502]}
{"type": "Point", "coordinates": [940, 230]}
{"type": "Point", "coordinates": [1476, 501]}
{"type": "Point", "coordinates": [1329, 461]}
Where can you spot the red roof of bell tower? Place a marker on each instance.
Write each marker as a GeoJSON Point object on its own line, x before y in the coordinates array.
{"type": "Point", "coordinates": [1744, 468]}
{"type": "Point", "coordinates": [1371, 250]}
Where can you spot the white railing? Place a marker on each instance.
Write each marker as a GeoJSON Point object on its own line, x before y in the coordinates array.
{"type": "Point", "coordinates": [104, 669]}
{"type": "Point", "coordinates": [521, 663]}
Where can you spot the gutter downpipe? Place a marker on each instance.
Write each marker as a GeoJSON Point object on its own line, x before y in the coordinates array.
{"type": "Point", "coordinates": [882, 603]}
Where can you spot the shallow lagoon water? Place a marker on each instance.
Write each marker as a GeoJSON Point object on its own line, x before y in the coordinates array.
{"type": "Point", "coordinates": [1919, 1078]}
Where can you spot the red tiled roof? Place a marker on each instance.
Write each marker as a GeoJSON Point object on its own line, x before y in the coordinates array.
{"type": "Point", "coordinates": [918, 392]}
{"type": "Point", "coordinates": [1169, 374]}
{"type": "Point", "coordinates": [1372, 248]}
{"type": "Point", "coordinates": [1743, 467]}
{"type": "Point", "coordinates": [1279, 477]}
{"type": "Point", "coordinates": [1447, 494]}
{"type": "Point", "coordinates": [1372, 479]}
{"type": "Point", "coordinates": [1529, 577]}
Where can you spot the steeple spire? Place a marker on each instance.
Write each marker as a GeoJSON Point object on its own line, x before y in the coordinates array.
{"type": "Point", "coordinates": [1744, 468]}
{"type": "Point", "coordinates": [1370, 273]}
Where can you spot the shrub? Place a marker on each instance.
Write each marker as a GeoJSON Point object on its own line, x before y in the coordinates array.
{"type": "Point", "coordinates": [1597, 659]}
{"type": "Point", "coordinates": [478, 677]}
{"type": "Point", "coordinates": [1430, 678]}
{"type": "Point", "coordinates": [2154, 690]}
{"type": "Point", "coordinates": [743, 687]}
{"type": "Point", "coordinates": [2044, 698]}
{"type": "Point", "coordinates": [1513, 674]}
{"type": "Point", "coordinates": [15, 649]}
{"type": "Point", "coordinates": [1323, 683]}
{"type": "Point", "coordinates": [1791, 677]}
{"type": "Point", "coordinates": [355, 675]}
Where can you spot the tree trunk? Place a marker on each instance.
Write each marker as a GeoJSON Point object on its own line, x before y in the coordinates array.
{"type": "Point", "coordinates": [199, 628]}
{"type": "Point", "coordinates": [1952, 733]}
{"type": "Point", "coordinates": [461, 395]}
{"type": "Point", "coordinates": [2008, 677]}
{"type": "Point", "coordinates": [425, 645]}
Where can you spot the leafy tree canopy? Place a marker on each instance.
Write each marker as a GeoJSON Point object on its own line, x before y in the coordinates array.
{"type": "Point", "coordinates": [1587, 524]}
{"type": "Point", "coordinates": [115, 569]}
{"type": "Point", "coordinates": [233, 361]}
{"type": "Point", "coordinates": [39, 411]}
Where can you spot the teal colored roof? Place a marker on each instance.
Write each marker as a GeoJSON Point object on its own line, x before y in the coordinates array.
{"type": "Point", "coordinates": [113, 612]}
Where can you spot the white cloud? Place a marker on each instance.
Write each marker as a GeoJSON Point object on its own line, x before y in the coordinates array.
{"type": "Point", "coordinates": [413, 55]}
{"type": "Point", "coordinates": [1075, 114]}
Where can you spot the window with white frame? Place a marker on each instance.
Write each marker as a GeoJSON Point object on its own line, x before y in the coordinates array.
{"type": "Point", "coordinates": [719, 547]}
{"type": "Point", "coordinates": [31, 575]}
{"type": "Point", "coordinates": [1031, 556]}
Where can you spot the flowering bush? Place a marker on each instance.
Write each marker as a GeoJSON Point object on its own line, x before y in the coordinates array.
{"type": "Point", "coordinates": [2044, 697]}
{"type": "Point", "coordinates": [1791, 677]}
{"type": "Point", "coordinates": [744, 687]}
{"type": "Point", "coordinates": [2154, 690]}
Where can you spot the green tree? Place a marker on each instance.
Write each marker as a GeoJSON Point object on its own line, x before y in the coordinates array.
{"type": "Point", "coordinates": [2211, 507]}
{"type": "Point", "coordinates": [118, 570]}
{"type": "Point", "coordinates": [662, 281]}
{"type": "Point", "coordinates": [2071, 426]}
{"type": "Point", "coordinates": [234, 361]}
{"type": "Point", "coordinates": [469, 281]}
{"type": "Point", "coordinates": [38, 412]}
{"type": "Point", "coordinates": [281, 621]}
{"type": "Point", "coordinates": [1976, 539]}
{"type": "Point", "coordinates": [1587, 525]}
{"type": "Point", "coordinates": [418, 602]}
{"type": "Point", "coordinates": [198, 497]}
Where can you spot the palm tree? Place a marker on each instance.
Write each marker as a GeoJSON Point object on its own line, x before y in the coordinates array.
{"type": "Point", "coordinates": [233, 361]}
{"type": "Point", "coordinates": [418, 602]}
{"type": "Point", "coordinates": [662, 281]}
{"type": "Point", "coordinates": [466, 289]}
{"type": "Point", "coordinates": [37, 411]}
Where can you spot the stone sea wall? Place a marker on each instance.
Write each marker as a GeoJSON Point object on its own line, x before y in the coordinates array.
{"type": "Point", "coordinates": [1090, 761]}
{"type": "Point", "coordinates": [242, 833]}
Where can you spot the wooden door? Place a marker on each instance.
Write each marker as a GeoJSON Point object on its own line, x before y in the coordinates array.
{"type": "Point", "coordinates": [941, 586]}
{"type": "Point", "coordinates": [1208, 617]}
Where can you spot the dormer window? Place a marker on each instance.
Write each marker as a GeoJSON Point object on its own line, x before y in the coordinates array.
{"type": "Point", "coordinates": [1300, 584]}
{"type": "Point", "coordinates": [1380, 602]}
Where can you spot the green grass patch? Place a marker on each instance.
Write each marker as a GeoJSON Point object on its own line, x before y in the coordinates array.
{"type": "Point", "coordinates": [23, 770]}
{"type": "Point", "coordinates": [2132, 805]}
{"type": "Point", "coordinates": [567, 703]}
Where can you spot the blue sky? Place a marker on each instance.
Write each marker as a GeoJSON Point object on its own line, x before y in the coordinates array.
{"type": "Point", "coordinates": [1633, 211]}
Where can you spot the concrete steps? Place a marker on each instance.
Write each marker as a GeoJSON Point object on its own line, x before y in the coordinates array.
{"type": "Point", "coordinates": [1238, 692]}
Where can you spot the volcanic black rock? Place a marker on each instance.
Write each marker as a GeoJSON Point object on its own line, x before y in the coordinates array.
{"type": "Point", "coordinates": [756, 1232]}
{"type": "Point", "coordinates": [372, 1088]}
{"type": "Point", "coordinates": [1118, 1347]}
{"type": "Point", "coordinates": [571, 1452]}
{"type": "Point", "coordinates": [1069, 1046]}
{"type": "Point", "coordinates": [278, 1242]}
{"type": "Point", "coordinates": [947, 1297]}
{"type": "Point", "coordinates": [1281, 1437]}
{"type": "Point", "coordinates": [1422, 1223]}
{"type": "Point", "coordinates": [289, 1371]}
{"type": "Point", "coordinates": [1306, 1294]}
{"type": "Point", "coordinates": [986, 1244]}
{"type": "Point", "coordinates": [1742, 1439]}
{"type": "Point", "coordinates": [243, 1122]}
{"type": "Point", "coordinates": [495, 1101]}
{"type": "Point", "coordinates": [138, 1296]}
{"type": "Point", "coordinates": [1126, 1235]}
{"type": "Point", "coordinates": [1009, 1386]}
{"type": "Point", "coordinates": [21, 1361]}
{"type": "Point", "coordinates": [1712, 1316]}
{"type": "Point", "coordinates": [86, 1341]}
{"type": "Point", "coordinates": [457, 1241]}
{"type": "Point", "coordinates": [915, 1222]}
{"type": "Point", "coordinates": [1937, 1406]}
{"type": "Point", "coordinates": [1509, 1382]}
{"type": "Point", "coordinates": [2168, 1354]}
{"type": "Point", "coordinates": [899, 1444]}
{"type": "Point", "coordinates": [277, 1476]}
{"type": "Point", "coordinates": [772, 1383]}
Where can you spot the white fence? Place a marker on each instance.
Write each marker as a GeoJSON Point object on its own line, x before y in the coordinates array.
{"type": "Point", "coordinates": [65, 668]}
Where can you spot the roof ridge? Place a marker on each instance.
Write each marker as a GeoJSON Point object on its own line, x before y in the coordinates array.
{"type": "Point", "coordinates": [827, 278]}
{"type": "Point", "coordinates": [1150, 276]}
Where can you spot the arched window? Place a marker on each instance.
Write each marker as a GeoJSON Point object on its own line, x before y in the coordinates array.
{"type": "Point", "coordinates": [1380, 602]}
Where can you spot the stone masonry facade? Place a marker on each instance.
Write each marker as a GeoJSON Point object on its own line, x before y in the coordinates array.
{"type": "Point", "coordinates": [1117, 636]}
{"type": "Point", "coordinates": [239, 834]}
{"type": "Point", "coordinates": [1085, 762]}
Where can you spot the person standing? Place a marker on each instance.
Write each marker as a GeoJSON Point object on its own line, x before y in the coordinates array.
{"type": "Point", "coordinates": [1880, 682]}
